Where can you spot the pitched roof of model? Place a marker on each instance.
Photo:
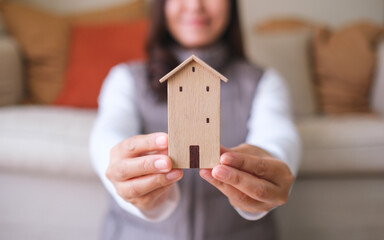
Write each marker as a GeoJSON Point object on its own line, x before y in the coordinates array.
{"type": "Point", "coordinates": [198, 60]}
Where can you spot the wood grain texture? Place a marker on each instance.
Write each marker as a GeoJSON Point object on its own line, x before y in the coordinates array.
{"type": "Point", "coordinates": [187, 61]}
{"type": "Point", "coordinates": [188, 111]}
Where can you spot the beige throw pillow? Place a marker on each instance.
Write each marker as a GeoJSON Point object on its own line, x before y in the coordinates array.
{"type": "Point", "coordinates": [344, 64]}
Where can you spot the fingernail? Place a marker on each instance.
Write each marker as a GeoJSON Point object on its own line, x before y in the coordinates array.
{"type": "Point", "coordinates": [226, 159]}
{"type": "Point", "coordinates": [161, 141]}
{"type": "Point", "coordinates": [161, 164]}
{"type": "Point", "coordinates": [221, 173]}
{"type": "Point", "coordinates": [173, 175]}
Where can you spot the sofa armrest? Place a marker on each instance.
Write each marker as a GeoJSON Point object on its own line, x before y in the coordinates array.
{"type": "Point", "coordinates": [11, 76]}
{"type": "Point", "coordinates": [377, 92]}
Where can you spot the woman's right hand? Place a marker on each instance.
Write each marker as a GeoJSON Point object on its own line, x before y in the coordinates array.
{"type": "Point", "coordinates": [141, 170]}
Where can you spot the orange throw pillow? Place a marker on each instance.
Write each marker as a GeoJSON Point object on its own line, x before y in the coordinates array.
{"type": "Point", "coordinates": [344, 65]}
{"type": "Point", "coordinates": [93, 51]}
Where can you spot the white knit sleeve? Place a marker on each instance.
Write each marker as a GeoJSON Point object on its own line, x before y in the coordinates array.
{"type": "Point", "coordinates": [117, 120]}
{"type": "Point", "coordinates": [271, 126]}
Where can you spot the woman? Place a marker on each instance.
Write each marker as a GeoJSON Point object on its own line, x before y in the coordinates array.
{"type": "Point", "coordinates": [259, 157]}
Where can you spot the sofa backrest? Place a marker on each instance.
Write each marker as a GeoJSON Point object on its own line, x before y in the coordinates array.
{"type": "Point", "coordinates": [288, 53]}
{"type": "Point", "coordinates": [71, 6]}
{"type": "Point", "coordinates": [258, 50]}
{"type": "Point", "coordinates": [267, 49]}
{"type": "Point", "coordinates": [67, 6]}
{"type": "Point", "coordinates": [334, 13]}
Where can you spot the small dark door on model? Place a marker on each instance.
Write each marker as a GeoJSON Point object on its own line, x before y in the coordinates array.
{"type": "Point", "coordinates": [194, 157]}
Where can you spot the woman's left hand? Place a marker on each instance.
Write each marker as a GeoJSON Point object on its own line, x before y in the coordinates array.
{"type": "Point", "coordinates": [251, 178]}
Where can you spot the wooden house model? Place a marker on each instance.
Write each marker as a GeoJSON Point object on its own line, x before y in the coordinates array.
{"type": "Point", "coordinates": [194, 114]}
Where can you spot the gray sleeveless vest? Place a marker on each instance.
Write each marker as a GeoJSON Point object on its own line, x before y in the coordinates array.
{"type": "Point", "coordinates": [203, 211]}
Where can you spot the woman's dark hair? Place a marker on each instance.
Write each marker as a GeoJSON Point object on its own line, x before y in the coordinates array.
{"type": "Point", "coordinates": [160, 58]}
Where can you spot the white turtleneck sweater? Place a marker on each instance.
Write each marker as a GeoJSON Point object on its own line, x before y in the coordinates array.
{"type": "Point", "coordinates": [270, 127]}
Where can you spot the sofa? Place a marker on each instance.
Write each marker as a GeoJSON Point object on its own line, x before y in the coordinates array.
{"type": "Point", "coordinates": [50, 191]}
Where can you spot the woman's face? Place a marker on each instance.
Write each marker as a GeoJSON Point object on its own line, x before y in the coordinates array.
{"type": "Point", "coordinates": [197, 23]}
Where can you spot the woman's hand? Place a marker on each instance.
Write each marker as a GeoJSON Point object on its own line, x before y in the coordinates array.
{"type": "Point", "coordinates": [141, 171]}
{"type": "Point", "coordinates": [251, 178]}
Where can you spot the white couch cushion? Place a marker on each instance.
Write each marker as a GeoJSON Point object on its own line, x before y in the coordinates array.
{"type": "Point", "coordinates": [46, 139]}
{"type": "Point", "coordinates": [55, 140]}
{"type": "Point", "coordinates": [342, 144]}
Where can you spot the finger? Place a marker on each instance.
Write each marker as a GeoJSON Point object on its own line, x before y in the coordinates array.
{"type": "Point", "coordinates": [141, 186]}
{"type": "Point", "coordinates": [237, 198]}
{"type": "Point", "coordinates": [223, 149]}
{"type": "Point", "coordinates": [249, 184]}
{"type": "Point", "coordinates": [141, 144]}
{"type": "Point", "coordinates": [158, 194]}
{"type": "Point", "coordinates": [163, 152]}
{"type": "Point", "coordinates": [151, 199]}
{"type": "Point", "coordinates": [139, 166]}
{"type": "Point", "coordinates": [250, 149]}
{"type": "Point", "coordinates": [263, 167]}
